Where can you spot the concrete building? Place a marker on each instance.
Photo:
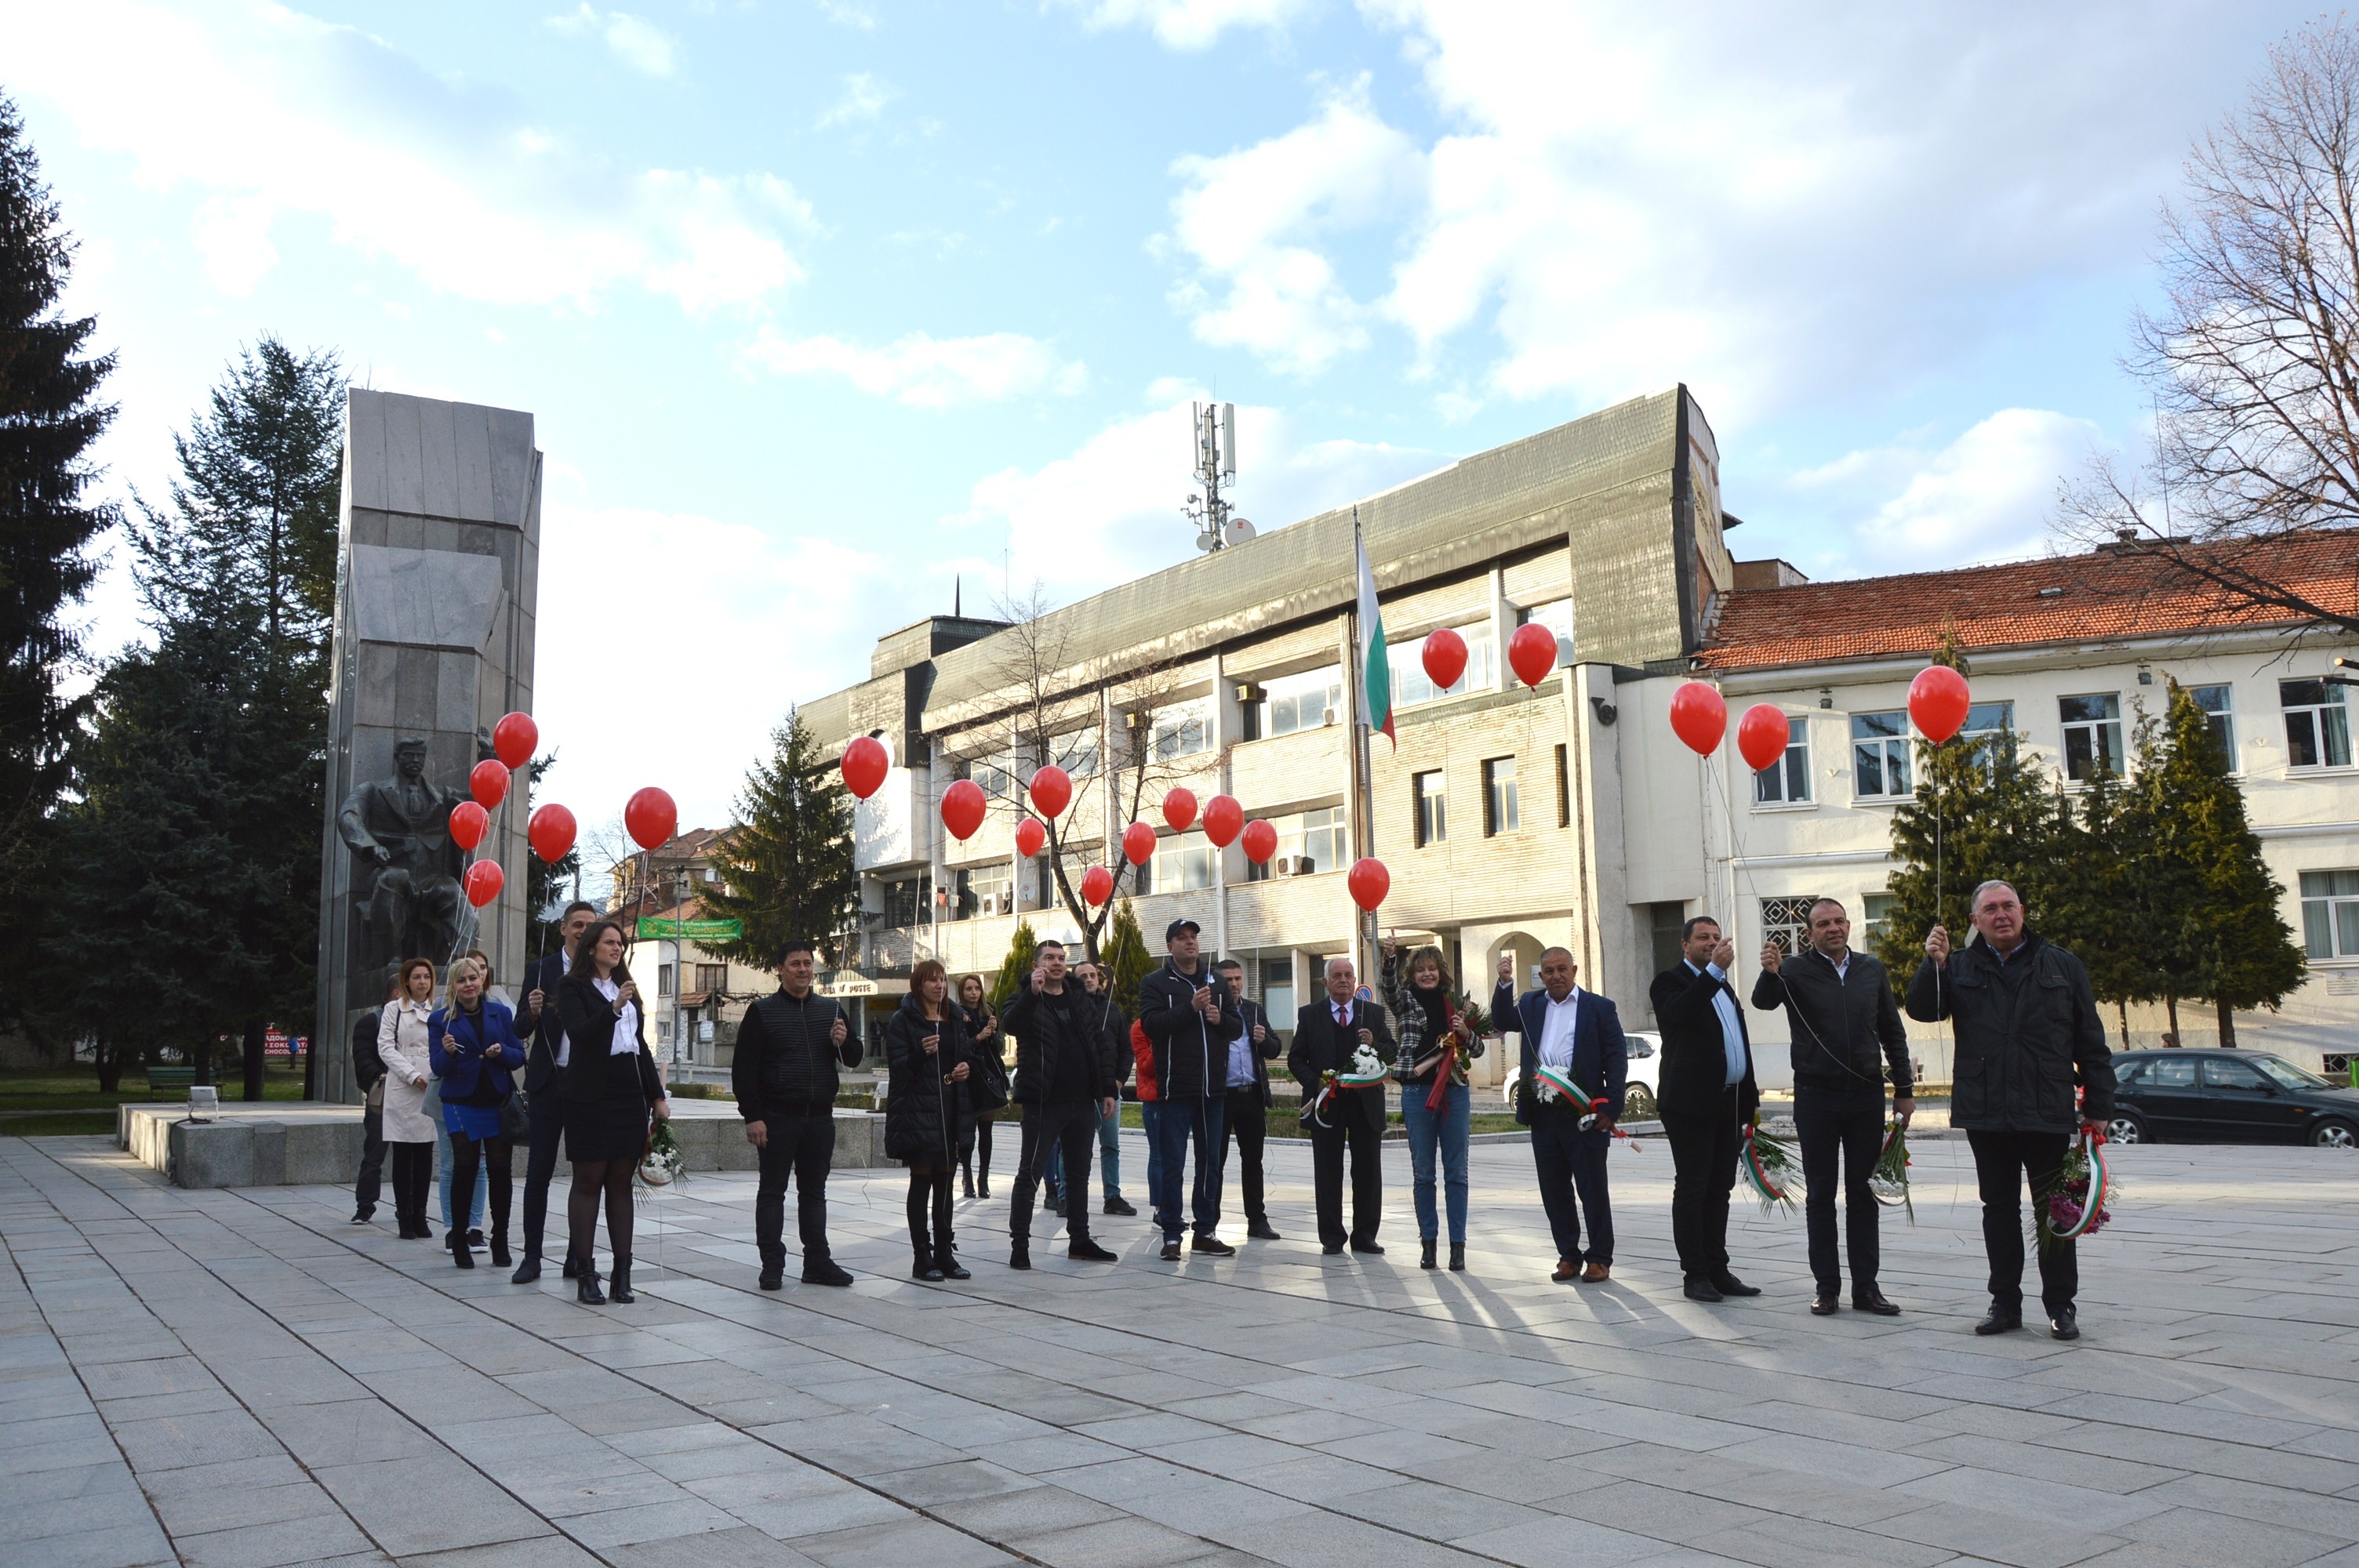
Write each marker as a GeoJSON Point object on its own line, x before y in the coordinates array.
{"type": "Point", "coordinates": [1512, 818]}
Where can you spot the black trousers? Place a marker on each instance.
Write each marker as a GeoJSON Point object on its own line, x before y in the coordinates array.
{"type": "Point", "coordinates": [805, 1146]}
{"type": "Point", "coordinates": [1846, 1121]}
{"type": "Point", "coordinates": [491, 1155]}
{"type": "Point", "coordinates": [371, 1177]}
{"type": "Point", "coordinates": [1704, 1169]}
{"type": "Point", "coordinates": [2002, 1162]}
{"type": "Point", "coordinates": [1327, 1146]}
{"type": "Point", "coordinates": [1248, 1126]}
{"type": "Point", "coordinates": [545, 1142]}
{"type": "Point", "coordinates": [1570, 1161]}
{"type": "Point", "coordinates": [413, 1176]}
{"type": "Point", "coordinates": [1072, 1128]}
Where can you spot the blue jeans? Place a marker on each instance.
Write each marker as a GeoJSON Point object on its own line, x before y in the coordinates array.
{"type": "Point", "coordinates": [1182, 1119]}
{"type": "Point", "coordinates": [1150, 1121]}
{"type": "Point", "coordinates": [1109, 1160]}
{"type": "Point", "coordinates": [1449, 1128]}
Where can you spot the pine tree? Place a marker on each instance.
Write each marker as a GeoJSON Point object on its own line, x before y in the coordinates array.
{"type": "Point", "coordinates": [49, 417]}
{"type": "Point", "coordinates": [786, 868]}
{"type": "Point", "coordinates": [2242, 952]}
{"type": "Point", "coordinates": [2100, 913]}
{"type": "Point", "coordinates": [1125, 957]}
{"type": "Point", "coordinates": [1016, 969]}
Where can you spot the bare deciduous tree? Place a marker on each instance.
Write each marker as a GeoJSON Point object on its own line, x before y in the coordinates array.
{"type": "Point", "coordinates": [2254, 363]}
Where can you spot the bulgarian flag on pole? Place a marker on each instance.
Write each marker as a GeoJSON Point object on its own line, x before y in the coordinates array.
{"type": "Point", "coordinates": [1375, 664]}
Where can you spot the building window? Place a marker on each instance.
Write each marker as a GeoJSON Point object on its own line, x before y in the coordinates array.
{"type": "Point", "coordinates": [1182, 731]}
{"type": "Point", "coordinates": [663, 979]}
{"type": "Point", "coordinates": [1879, 756]}
{"type": "Point", "coordinates": [1665, 923]}
{"type": "Point", "coordinates": [2092, 736]}
{"type": "Point", "coordinates": [2220, 715]}
{"type": "Point", "coordinates": [2318, 731]}
{"type": "Point", "coordinates": [1314, 842]}
{"type": "Point", "coordinates": [1563, 792]}
{"type": "Point", "coordinates": [1874, 915]}
{"type": "Point", "coordinates": [1557, 616]}
{"type": "Point", "coordinates": [1306, 701]}
{"type": "Point", "coordinates": [1787, 922]}
{"type": "Point", "coordinates": [1787, 782]}
{"type": "Point", "coordinates": [2330, 913]}
{"type": "Point", "coordinates": [1501, 810]}
{"type": "Point", "coordinates": [906, 900]}
{"type": "Point", "coordinates": [1182, 862]}
{"type": "Point", "coordinates": [1989, 732]}
{"type": "Point", "coordinates": [1412, 685]}
{"type": "Point", "coordinates": [1432, 808]}
{"type": "Point", "coordinates": [711, 977]}
{"type": "Point", "coordinates": [1277, 991]}
{"type": "Point", "coordinates": [987, 888]}
{"type": "Point", "coordinates": [996, 775]}
{"type": "Point", "coordinates": [1077, 753]}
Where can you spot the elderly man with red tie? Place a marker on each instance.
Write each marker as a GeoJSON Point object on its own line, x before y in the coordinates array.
{"type": "Point", "coordinates": [1327, 1035]}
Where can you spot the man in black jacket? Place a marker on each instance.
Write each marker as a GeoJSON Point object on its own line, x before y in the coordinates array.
{"type": "Point", "coordinates": [1188, 1018]}
{"type": "Point", "coordinates": [1096, 1005]}
{"type": "Point", "coordinates": [1707, 1094]}
{"type": "Point", "coordinates": [1327, 1035]}
{"type": "Point", "coordinates": [545, 1056]}
{"type": "Point", "coordinates": [1063, 1086]}
{"type": "Point", "coordinates": [368, 1072]}
{"type": "Point", "coordinates": [789, 1045]}
{"type": "Point", "coordinates": [1839, 1013]}
{"type": "Point", "coordinates": [2026, 1028]}
{"type": "Point", "coordinates": [1246, 1116]}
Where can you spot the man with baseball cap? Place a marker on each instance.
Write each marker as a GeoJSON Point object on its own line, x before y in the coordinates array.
{"type": "Point", "coordinates": [788, 1048]}
{"type": "Point", "coordinates": [1188, 1017]}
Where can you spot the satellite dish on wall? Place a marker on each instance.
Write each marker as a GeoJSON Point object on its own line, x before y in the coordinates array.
{"type": "Point", "coordinates": [1239, 530]}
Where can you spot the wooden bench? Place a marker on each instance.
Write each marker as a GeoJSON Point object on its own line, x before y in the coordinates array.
{"type": "Point", "coordinates": [174, 1081]}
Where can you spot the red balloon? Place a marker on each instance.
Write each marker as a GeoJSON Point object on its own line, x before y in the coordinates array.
{"type": "Point", "coordinates": [1097, 886]}
{"type": "Point", "coordinates": [1938, 700]}
{"type": "Point", "coordinates": [1261, 841]}
{"type": "Point", "coordinates": [469, 823]}
{"type": "Point", "coordinates": [1445, 658]}
{"type": "Point", "coordinates": [1180, 809]}
{"type": "Point", "coordinates": [488, 783]}
{"type": "Point", "coordinates": [514, 737]}
{"type": "Point", "coordinates": [551, 833]}
{"type": "Point", "coordinates": [484, 880]}
{"type": "Point", "coordinates": [1531, 652]}
{"type": "Point", "coordinates": [1369, 882]}
{"type": "Point", "coordinates": [1224, 818]}
{"type": "Point", "coordinates": [866, 764]}
{"type": "Point", "coordinates": [1052, 790]}
{"type": "Point", "coordinates": [1762, 734]}
{"type": "Point", "coordinates": [1029, 835]}
{"type": "Point", "coordinates": [650, 818]}
{"type": "Point", "coordinates": [963, 808]}
{"type": "Point", "coordinates": [1699, 717]}
{"type": "Point", "coordinates": [1138, 843]}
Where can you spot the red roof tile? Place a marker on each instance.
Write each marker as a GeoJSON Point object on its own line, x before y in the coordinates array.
{"type": "Point", "coordinates": [2106, 595]}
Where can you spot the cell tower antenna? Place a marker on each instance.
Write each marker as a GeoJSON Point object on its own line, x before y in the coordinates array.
{"type": "Point", "coordinates": [1215, 440]}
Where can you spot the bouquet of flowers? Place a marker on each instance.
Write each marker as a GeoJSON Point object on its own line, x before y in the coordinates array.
{"type": "Point", "coordinates": [1365, 1072]}
{"type": "Point", "coordinates": [2079, 1202]}
{"type": "Point", "coordinates": [1889, 1181]}
{"type": "Point", "coordinates": [662, 1164]}
{"type": "Point", "coordinates": [1771, 1168]}
{"type": "Point", "coordinates": [1468, 1024]}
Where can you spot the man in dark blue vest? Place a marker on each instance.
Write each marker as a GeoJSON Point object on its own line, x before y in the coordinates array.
{"type": "Point", "coordinates": [1576, 1037]}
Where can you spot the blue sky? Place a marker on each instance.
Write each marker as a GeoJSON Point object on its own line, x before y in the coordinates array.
{"type": "Point", "coordinates": [821, 304]}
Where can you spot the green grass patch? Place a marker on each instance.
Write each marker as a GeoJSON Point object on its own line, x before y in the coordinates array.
{"type": "Point", "coordinates": [52, 1089]}
{"type": "Point", "coordinates": [64, 1123]}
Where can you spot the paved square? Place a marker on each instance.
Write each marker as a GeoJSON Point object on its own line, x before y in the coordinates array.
{"type": "Point", "coordinates": [244, 1378]}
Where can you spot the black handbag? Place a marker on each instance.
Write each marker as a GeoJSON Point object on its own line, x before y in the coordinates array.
{"type": "Point", "coordinates": [986, 1086]}
{"type": "Point", "coordinates": [514, 1122]}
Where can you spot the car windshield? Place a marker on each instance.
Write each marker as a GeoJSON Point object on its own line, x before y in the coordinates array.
{"type": "Point", "coordinates": [2289, 1076]}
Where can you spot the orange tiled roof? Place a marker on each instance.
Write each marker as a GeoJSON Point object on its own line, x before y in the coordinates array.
{"type": "Point", "coordinates": [2106, 595]}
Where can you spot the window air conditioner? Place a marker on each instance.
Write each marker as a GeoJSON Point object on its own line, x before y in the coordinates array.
{"type": "Point", "coordinates": [1294, 865]}
{"type": "Point", "coordinates": [990, 904]}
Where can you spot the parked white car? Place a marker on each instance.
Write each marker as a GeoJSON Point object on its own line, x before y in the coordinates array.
{"type": "Point", "coordinates": [1638, 1094]}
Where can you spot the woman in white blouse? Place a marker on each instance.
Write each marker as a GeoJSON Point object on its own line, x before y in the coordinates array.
{"type": "Point", "coordinates": [611, 1087]}
{"type": "Point", "coordinates": [409, 1131]}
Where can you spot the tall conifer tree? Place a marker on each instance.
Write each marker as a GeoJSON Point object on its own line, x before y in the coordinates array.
{"type": "Point", "coordinates": [1125, 957]}
{"type": "Point", "coordinates": [786, 868]}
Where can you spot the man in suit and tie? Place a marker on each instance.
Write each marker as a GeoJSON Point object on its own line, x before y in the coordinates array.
{"type": "Point", "coordinates": [545, 1056]}
{"type": "Point", "coordinates": [1246, 1121]}
{"type": "Point", "coordinates": [1327, 1035]}
{"type": "Point", "coordinates": [1579, 1034]}
{"type": "Point", "coordinates": [1708, 1095]}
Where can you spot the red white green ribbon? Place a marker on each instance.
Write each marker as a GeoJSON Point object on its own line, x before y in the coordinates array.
{"type": "Point", "coordinates": [1330, 1081]}
{"type": "Point", "coordinates": [1767, 1181]}
{"type": "Point", "coordinates": [1562, 1081]}
{"type": "Point", "coordinates": [2092, 1144]}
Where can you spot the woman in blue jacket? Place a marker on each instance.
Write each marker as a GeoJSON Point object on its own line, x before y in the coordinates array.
{"type": "Point", "coordinates": [472, 1043]}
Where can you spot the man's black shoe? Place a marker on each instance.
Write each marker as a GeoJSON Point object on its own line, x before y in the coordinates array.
{"type": "Point", "coordinates": [1088, 1251]}
{"type": "Point", "coordinates": [1874, 1304]}
{"type": "Point", "coordinates": [823, 1272]}
{"type": "Point", "coordinates": [1333, 1251]}
{"type": "Point", "coordinates": [1728, 1284]}
{"type": "Point", "coordinates": [952, 1268]}
{"type": "Point", "coordinates": [1824, 1306]}
{"type": "Point", "coordinates": [1212, 1244]}
{"type": "Point", "coordinates": [2064, 1325]}
{"type": "Point", "coordinates": [774, 1279]}
{"type": "Point", "coordinates": [1055, 1205]}
{"type": "Point", "coordinates": [1171, 1252]}
{"type": "Point", "coordinates": [1702, 1290]}
{"type": "Point", "coordinates": [362, 1219]}
{"type": "Point", "coordinates": [1262, 1230]}
{"type": "Point", "coordinates": [1121, 1206]}
{"type": "Point", "coordinates": [526, 1272]}
{"type": "Point", "coordinates": [2001, 1321]}
{"type": "Point", "coordinates": [1372, 1249]}
{"type": "Point", "coordinates": [1019, 1254]}
{"type": "Point", "coordinates": [475, 1236]}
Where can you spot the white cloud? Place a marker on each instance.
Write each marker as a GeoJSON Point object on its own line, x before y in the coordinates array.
{"type": "Point", "coordinates": [845, 14]}
{"type": "Point", "coordinates": [1253, 221]}
{"type": "Point", "coordinates": [270, 116]}
{"type": "Point", "coordinates": [635, 41]}
{"type": "Point", "coordinates": [1187, 24]}
{"type": "Point", "coordinates": [864, 97]}
{"type": "Point", "coordinates": [926, 371]}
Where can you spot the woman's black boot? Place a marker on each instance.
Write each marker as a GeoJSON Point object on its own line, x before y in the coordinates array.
{"type": "Point", "coordinates": [499, 1249]}
{"type": "Point", "coordinates": [1425, 1260]}
{"type": "Point", "coordinates": [618, 1290]}
{"type": "Point", "coordinates": [1458, 1257]}
{"type": "Point", "coordinates": [460, 1253]}
{"type": "Point", "coordinates": [585, 1289]}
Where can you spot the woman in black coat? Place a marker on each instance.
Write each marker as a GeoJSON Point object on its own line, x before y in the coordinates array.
{"type": "Point", "coordinates": [926, 1110]}
{"type": "Point", "coordinates": [609, 1087]}
{"type": "Point", "coordinates": [989, 1056]}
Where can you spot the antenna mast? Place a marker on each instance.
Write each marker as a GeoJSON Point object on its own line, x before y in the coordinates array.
{"type": "Point", "coordinates": [1215, 434]}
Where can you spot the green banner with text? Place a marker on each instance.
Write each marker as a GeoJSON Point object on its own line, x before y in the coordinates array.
{"type": "Point", "coordinates": [652, 929]}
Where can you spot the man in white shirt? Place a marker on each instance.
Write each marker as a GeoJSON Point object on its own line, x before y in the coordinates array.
{"type": "Point", "coordinates": [1578, 1035]}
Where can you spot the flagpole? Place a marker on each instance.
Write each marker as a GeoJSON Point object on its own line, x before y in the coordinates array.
{"type": "Point", "coordinates": [1364, 807]}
